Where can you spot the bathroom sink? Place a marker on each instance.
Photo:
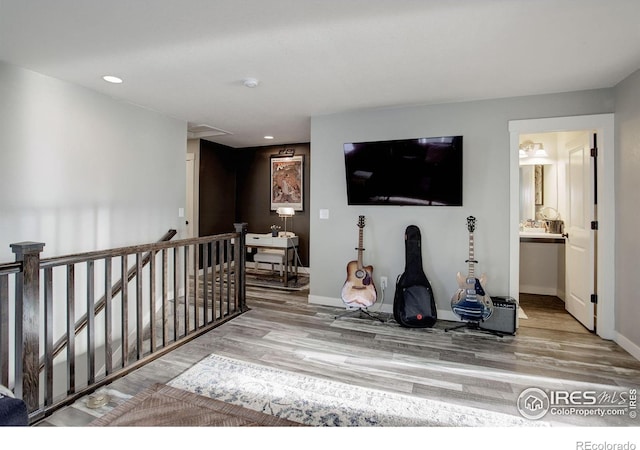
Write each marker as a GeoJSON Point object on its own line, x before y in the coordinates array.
{"type": "Point", "coordinates": [539, 233]}
{"type": "Point", "coordinates": [533, 230]}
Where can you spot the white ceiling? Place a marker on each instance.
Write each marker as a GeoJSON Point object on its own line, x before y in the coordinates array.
{"type": "Point", "coordinates": [187, 58]}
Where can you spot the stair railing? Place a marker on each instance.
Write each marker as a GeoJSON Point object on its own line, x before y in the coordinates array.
{"type": "Point", "coordinates": [175, 291]}
{"type": "Point", "coordinates": [100, 304]}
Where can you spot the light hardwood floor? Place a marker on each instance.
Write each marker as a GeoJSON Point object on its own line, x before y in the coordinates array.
{"type": "Point", "coordinates": [549, 351]}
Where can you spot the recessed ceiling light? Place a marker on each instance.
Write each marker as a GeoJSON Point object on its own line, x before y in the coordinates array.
{"type": "Point", "coordinates": [268, 137]}
{"type": "Point", "coordinates": [112, 79]}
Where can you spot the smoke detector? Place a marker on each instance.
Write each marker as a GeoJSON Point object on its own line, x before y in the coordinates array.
{"type": "Point", "coordinates": [250, 82]}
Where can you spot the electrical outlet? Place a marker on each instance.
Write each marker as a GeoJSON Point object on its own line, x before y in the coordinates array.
{"type": "Point", "coordinates": [383, 282]}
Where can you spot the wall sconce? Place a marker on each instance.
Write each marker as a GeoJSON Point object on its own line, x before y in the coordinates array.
{"type": "Point", "coordinates": [287, 152]}
{"type": "Point", "coordinates": [532, 149]}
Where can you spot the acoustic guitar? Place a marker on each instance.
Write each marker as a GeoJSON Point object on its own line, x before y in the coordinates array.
{"type": "Point", "coordinates": [359, 290]}
{"type": "Point", "coordinates": [471, 302]}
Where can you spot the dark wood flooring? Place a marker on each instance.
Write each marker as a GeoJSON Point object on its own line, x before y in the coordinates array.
{"type": "Point", "coordinates": [550, 351]}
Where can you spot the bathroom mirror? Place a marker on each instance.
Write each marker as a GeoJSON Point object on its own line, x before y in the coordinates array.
{"type": "Point", "coordinates": [532, 189]}
{"type": "Point", "coordinates": [538, 184]}
{"type": "Point", "coordinates": [527, 193]}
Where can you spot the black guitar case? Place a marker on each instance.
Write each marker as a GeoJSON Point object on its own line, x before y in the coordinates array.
{"type": "Point", "coordinates": [413, 303]}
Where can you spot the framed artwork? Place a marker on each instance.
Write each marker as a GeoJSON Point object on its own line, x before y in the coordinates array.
{"type": "Point", "coordinates": [287, 182]}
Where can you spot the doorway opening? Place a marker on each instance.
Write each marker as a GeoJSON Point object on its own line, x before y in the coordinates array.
{"type": "Point", "coordinates": [562, 199]}
{"type": "Point", "coordinates": [550, 198]}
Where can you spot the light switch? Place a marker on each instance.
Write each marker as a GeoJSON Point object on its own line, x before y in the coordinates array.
{"type": "Point", "coordinates": [180, 212]}
{"type": "Point", "coordinates": [324, 213]}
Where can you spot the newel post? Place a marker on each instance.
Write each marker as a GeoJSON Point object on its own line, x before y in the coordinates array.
{"type": "Point", "coordinates": [240, 257]}
{"type": "Point", "coordinates": [27, 322]}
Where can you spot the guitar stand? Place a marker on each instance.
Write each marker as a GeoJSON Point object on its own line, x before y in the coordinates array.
{"type": "Point", "coordinates": [358, 311]}
{"type": "Point", "coordinates": [474, 326]}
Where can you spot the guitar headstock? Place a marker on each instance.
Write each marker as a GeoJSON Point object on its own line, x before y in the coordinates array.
{"type": "Point", "coordinates": [361, 222]}
{"type": "Point", "coordinates": [471, 224]}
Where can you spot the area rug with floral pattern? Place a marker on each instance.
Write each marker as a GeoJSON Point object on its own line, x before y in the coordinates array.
{"type": "Point", "coordinates": [321, 402]}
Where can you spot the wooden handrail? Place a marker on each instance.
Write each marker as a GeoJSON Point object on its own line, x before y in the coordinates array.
{"type": "Point", "coordinates": [213, 294]}
{"type": "Point", "coordinates": [100, 304]}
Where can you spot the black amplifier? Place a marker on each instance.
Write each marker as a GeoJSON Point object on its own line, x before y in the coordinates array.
{"type": "Point", "coordinates": [505, 313]}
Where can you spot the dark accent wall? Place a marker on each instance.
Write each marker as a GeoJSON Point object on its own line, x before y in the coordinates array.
{"type": "Point", "coordinates": [217, 191]}
{"type": "Point", "coordinates": [235, 184]}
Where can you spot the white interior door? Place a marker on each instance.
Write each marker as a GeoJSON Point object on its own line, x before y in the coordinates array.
{"type": "Point", "coordinates": [579, 251]}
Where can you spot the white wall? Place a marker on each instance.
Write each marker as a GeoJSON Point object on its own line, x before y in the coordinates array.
{"type": "Point", "coordinates": [81, 171]}
{"type": "Point", "coordinates": [484, 125]}
{"type": "Point", "coordinates": [628, 218]}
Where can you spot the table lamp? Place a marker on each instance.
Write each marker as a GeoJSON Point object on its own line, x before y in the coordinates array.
{"type": "Point", "coordinates": [285, 212]}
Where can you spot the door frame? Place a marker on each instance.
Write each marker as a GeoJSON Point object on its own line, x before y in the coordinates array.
{"type": "Point", "coordinates": [603, 125]}
{"type": "Point", "coordinates": [193, 152]}
{"type": "Point", "coordinates": [189, 209]}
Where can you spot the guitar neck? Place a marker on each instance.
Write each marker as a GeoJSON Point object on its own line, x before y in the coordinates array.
{"type": "Point", "coordinates": [360, 249]}
{"type": "Point", "coordinates": [471, 261]}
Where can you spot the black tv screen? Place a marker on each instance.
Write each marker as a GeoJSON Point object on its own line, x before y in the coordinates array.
{"type": "Point", "coordinates": [422, 171]}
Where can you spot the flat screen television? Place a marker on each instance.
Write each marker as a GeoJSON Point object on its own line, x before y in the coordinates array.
{"type": "Point", "coordinates": [422, 171]}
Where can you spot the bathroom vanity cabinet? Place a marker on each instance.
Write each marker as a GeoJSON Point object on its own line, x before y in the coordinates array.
{"type": "Point", "coordinates": [542, 264]}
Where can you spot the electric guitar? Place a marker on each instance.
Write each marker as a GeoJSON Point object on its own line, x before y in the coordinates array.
{"type": "Point", "coordinates": [471, 302]}
{"type": "Point", "coordinates": [359, 291]}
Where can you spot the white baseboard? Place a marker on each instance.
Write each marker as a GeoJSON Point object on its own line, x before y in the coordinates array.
{"type": "Point", "coordinates": [539, 290]}
{"type": "Point", "coordinates": [629, 346]}
{"type": "Point", "coordinates": [379, 306]}
{"type": "Point", "coordinates": [338, 303]}
{"type": "Point", "coordinates": [448, 315]}
{"type": "Point", "coordinates": [325, 301]}
{"type": "Point", "coordinates": [386, 306]}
